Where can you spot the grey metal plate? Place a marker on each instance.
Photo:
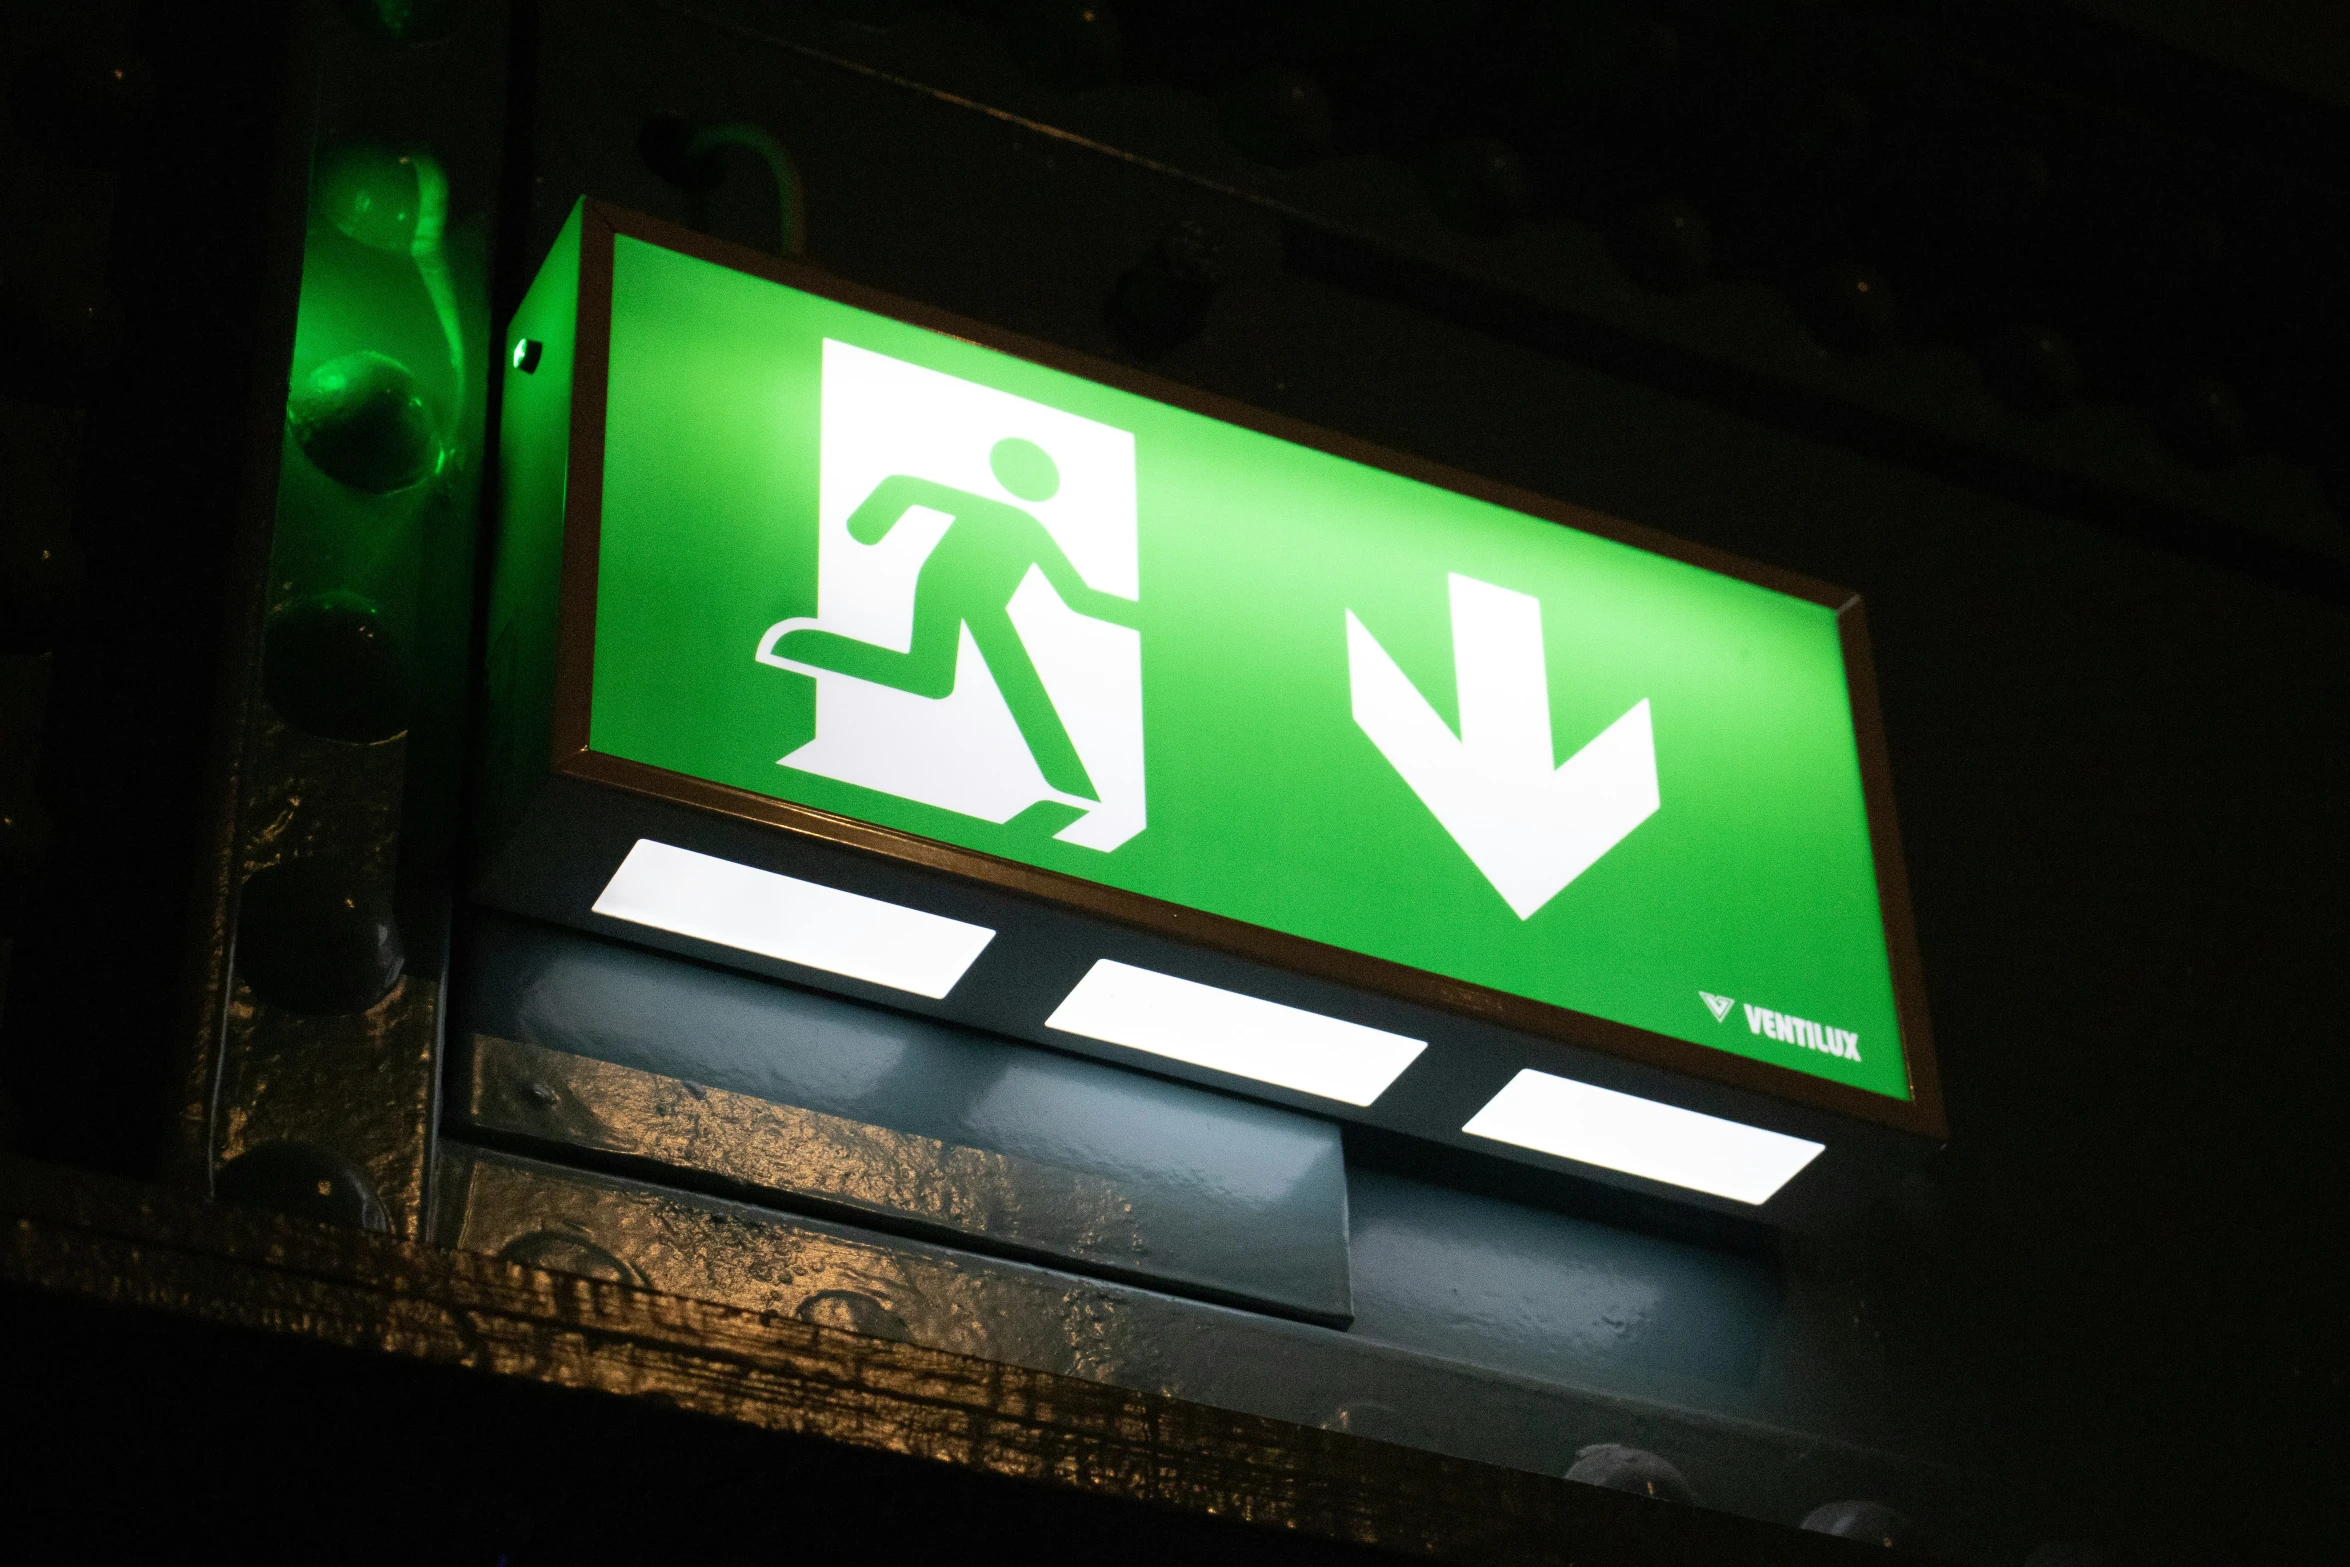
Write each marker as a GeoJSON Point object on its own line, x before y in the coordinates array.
{"type": "Point", "coordinates": [1551, 1295]}
{"type": "Point", "coordinates": [820, 1102]}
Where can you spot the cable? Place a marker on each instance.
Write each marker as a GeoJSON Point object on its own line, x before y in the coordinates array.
{"type": "Point", "coordinates": [790, 204]}
{"type": "Point", "coordinates": [432, 266]}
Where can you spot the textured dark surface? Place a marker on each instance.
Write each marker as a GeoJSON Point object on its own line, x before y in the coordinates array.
{"type": "Point", "coordinates": [103, 1245]}
{"type": "Point", "coordinates": [1179, 1225]}
{"type": "Point", "coordinates": [1475, 1384]}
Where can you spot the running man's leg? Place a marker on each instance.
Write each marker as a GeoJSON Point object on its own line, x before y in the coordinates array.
{"type": "Point", "coordinates": [1031, 705]}
{"type": "Point", "coordinates": [926, 669]}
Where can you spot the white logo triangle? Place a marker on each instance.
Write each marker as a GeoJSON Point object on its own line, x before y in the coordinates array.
{"type": "Point", "coordinates": [1719, 1006]}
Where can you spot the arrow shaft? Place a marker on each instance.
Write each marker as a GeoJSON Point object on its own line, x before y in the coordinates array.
{"type": "Point", "coordinates": [1529, 827]}
{"type": "Point", "coordinates": [1500, 677]}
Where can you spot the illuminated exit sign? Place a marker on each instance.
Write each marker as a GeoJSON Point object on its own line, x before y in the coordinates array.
{"type": "Point", "coordinates": [845, 641]}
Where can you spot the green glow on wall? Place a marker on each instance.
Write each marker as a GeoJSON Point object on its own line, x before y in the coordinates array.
{"type": "Point", "coordinates": [380, 403]}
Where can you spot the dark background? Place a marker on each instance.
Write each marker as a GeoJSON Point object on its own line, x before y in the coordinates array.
{"type": "Point", "coordinates": [2119, 715]}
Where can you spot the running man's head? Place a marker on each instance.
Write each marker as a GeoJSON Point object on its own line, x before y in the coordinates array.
{"type": "Point", "coordinates": [1024, 469]}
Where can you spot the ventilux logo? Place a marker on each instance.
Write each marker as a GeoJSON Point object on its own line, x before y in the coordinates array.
{"type": "Point", "coordinates": [1804, 1032]}
{"type": "Point", "coordinates": [973, 646]}
{"type": "Point", "coordinates": [1801, 1031]}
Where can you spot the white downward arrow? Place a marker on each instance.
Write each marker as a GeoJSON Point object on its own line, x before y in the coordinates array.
{"type": "Point", "coordinates": [1531, 827]}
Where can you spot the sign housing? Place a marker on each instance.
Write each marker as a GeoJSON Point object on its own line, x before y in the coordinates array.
{"type": "Point", "coordinates": [800, 577]}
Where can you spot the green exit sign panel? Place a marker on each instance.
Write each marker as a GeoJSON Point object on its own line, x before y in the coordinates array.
{"type": "Point", "coordinates": [989, 596]}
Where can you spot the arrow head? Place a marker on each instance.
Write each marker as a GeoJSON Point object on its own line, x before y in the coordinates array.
{"type": "Point", "coordinates": [1529, 827]}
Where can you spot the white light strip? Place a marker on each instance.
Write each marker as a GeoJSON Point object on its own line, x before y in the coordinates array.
{"type": "Point", "coordinates": [1229, 1032]}
{"type": "Point", "coordinates": [1556, 1115]}
{"type": "Point", "coordinates": [798, 921]}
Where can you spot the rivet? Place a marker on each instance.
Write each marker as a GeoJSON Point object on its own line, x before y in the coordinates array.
{"type": "Point", "coordinates": [1067, 43]}
{"type": "Point", "coordinates": [314, 937]}
{"type": "Point", "coordinates": [1616, 1467]}
{"type": "Point", "coordinates": [1849, 307]}
{"type": "Point", "coordinates": [1378, 1420]}
{"type": "Point", "coordinates": [560, 1252]}
{"type": "Point", "coordinates": [1478, 185]}
{"type": "Point", "coordinates": [1163, 299]}
{"type": "Point", "coordinates": [406, 21]}
{"type": "Point", "coordinates": [1873, 1523]}
{"type": "Point", "coordinates": [1665, 243]}
{"type": "Point", "coordinates": [304, 1181]}
{"type": "Point", "coordinates": [2205, 423]}
{"type": "Point", "coordinates": [363, 419]}
{"type": "Point", "coordinates": [853, 1311]}
{"type": "Point", "coordinates": [330, 665]}
{"type": "Point", "coordinates": [1279, 116]}
{"type": "Point", "coordinates": [372, 192]}
{"type": "Point", "coordinates": [2033, 369]}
